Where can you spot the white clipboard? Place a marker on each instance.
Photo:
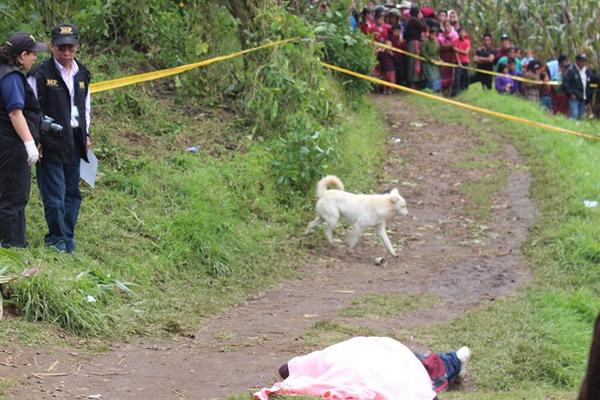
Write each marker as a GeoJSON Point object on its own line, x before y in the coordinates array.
{"type": "Point", "coordinates": [88, 171]}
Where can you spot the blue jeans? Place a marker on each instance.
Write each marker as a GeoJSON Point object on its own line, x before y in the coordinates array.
{"type": "Point", "coordinates": [434, 84]}
{"type": "Point", "coordinates": [546, 102]}
{"type": "Point", "coordinates": [452, 363]}
{"type": "Point", "coordinates": [59, 186]}
{"type": "Point", "coordinates": [576, 109]}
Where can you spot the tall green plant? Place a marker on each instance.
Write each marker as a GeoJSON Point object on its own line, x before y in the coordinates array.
{"type": "Point", "coordinates": [304, 154]}
{"type": "Point", "coordinates": [344, 47]}
{"type": "Point", "coordinates": [290, 101]}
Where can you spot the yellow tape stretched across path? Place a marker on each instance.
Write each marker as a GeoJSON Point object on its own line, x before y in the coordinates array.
{"type": "Point", "coordinates": [462, 105]}
{"type": "Point", "coordinates": [138, 78]}
{"type": "Point", "coordinates": [483, 71]}
{"type": "Point", "coordinates": [149, 76]}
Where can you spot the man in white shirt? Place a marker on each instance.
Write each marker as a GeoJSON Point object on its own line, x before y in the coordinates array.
{"type": "Point", "coordinates": [61, 84]}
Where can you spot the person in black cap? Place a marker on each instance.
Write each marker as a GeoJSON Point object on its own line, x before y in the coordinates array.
{"type": "Point", "coordinates": [19, 121]}
{"type": "Point", "coordinates": [62, 87]}
{"type": "Point", "coordinates": [484, 60]}
{"type": "Point", "coordinates": [576, 84]}
{"type": "Point", "coordinates": [504, 46]}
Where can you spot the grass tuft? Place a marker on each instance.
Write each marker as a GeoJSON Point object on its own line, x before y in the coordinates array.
{"type": "Point", "coordinates": [388, 304]}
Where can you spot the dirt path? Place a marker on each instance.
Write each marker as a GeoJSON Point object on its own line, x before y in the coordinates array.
{"type": "Point", "coordinates": [443, 253]}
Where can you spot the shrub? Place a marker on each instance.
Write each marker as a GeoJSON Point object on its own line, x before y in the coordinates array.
{"type": "Point", "coordinates": [346, 48]}
{"type": "Point", "coordinates": [303, 155]}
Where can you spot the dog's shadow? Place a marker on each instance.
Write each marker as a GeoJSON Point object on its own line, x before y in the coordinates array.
{"type": "Point", "coordinates": [366, 251]}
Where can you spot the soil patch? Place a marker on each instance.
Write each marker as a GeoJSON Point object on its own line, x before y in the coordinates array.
{"type": "Point", "coordinates": [444, 254]}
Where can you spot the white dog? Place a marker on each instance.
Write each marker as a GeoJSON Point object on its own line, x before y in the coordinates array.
{"type": "Point", "coordinates": [361, 210]}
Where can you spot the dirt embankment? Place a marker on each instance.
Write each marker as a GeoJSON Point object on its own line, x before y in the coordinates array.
{"type": "Point", "coordinates": [443, 253]}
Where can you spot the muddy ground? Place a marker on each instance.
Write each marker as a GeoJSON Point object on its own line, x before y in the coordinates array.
{"type": "Point", "coordinates": [443, 253]}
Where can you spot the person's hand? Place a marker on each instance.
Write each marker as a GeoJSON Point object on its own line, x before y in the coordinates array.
{"type": "Point", "coordinates": [33, 155]}
{"type": "Point", "coordinates": [573, 97]}
{"type": "Point", "coordinates": [88, 144]}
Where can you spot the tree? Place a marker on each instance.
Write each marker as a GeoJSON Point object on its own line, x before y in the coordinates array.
{"type": "Point", "coordinates": [245, 12]}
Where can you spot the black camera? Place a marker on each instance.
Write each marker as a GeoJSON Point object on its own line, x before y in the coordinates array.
{"type": "Point", "coordinates": [49, 127]}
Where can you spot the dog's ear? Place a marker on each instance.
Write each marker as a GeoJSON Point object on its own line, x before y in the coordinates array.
{"type": "Point", "coordinates": [395, 197]}
{"type": "Point", "coordinates": [395, 192]}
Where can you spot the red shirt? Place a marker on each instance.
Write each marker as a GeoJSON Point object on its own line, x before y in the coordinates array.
{"type": "Point", "coordinates": [368, 27]}
{"type": "Point", "coordinates": [382, 32]}
{"type": "Point", "coordinates": [464, 44]}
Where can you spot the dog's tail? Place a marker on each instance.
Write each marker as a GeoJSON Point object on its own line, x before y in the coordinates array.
{"type": "Point", "coordinates": [325, 182]}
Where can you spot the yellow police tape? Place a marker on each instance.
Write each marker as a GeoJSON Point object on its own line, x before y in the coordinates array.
{"type": "Point", "coordinates": [149, 76]}
{"type": "Point", "coordinates": [462, 105]}
{"type": "Point", "coordinates": [483, 71]}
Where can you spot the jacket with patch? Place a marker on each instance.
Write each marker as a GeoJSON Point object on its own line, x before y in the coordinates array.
{"type": "Point", "coordinates": [55, 102]}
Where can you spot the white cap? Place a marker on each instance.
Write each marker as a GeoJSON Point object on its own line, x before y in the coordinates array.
{"type": "Point", "coordinates": [405, 4]}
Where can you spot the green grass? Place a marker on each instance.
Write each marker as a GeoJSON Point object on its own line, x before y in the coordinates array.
{"type": "Point", "coordinates": [326, 333]}
{"type": "Point", "coordinates": [388, 304]}
{"type": "Point", "coordinates": [528, 394]}
{"type": "Point", "coordinates": [192, 233]}
{"type": "Point", "coordinates": [5, 385]}
{"type": "Point", "coordinates": [478, 164]}
{"type": "Point", "coordinates": [480, 192]}
{"type": "Point", "coordinates": [17, 330]}
{"type": "Point", "coordinates": [536, 344]}
{"type": "Point", "coordinates": [362, 147]}
{"type": "Point", "coordinates": [486, 158]}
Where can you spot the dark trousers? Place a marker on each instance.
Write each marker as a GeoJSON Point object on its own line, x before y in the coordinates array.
{"type": "Point", "coordinates": [59, 186]}
{"type": "Point", "coordinates": [461, 80]}
{"type": "Point", "coordinates": [485, 79]}
{"type": "Point", "coordinates": [15, 182]}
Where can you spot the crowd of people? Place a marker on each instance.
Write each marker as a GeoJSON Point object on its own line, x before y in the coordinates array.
{"type": "Point", "coordinates": [433, 36]}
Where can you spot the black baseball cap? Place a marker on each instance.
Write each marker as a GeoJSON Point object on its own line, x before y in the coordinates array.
{"type": "Point", "coordinates": [19, 42]}
{"type": "Point", "coordinates": [581, 57]}
{"type": "Point", "coordinates": [504, 37]}
{"type": "Point", "coordinates": [65, 34]}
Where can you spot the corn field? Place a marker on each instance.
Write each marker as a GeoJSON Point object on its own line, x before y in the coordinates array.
{"type": "Point", "coordinates": [548, 27]}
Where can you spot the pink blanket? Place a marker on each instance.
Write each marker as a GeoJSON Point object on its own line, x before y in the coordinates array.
{"type": "Point", "coordinates": [362, 368]}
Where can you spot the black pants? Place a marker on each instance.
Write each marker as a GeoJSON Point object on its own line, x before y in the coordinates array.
{"type": "Point", "coordinates": [461, 80]}
{"type": "Point", "coordinates": [15, 181]}
{"type": "Point", "coordinates": [485, 79]}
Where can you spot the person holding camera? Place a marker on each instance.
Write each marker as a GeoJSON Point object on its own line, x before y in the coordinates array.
{"type": "Point", "coordinates": [61, 84]}
{"type": "Point", "coordinates": [19, 122]}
